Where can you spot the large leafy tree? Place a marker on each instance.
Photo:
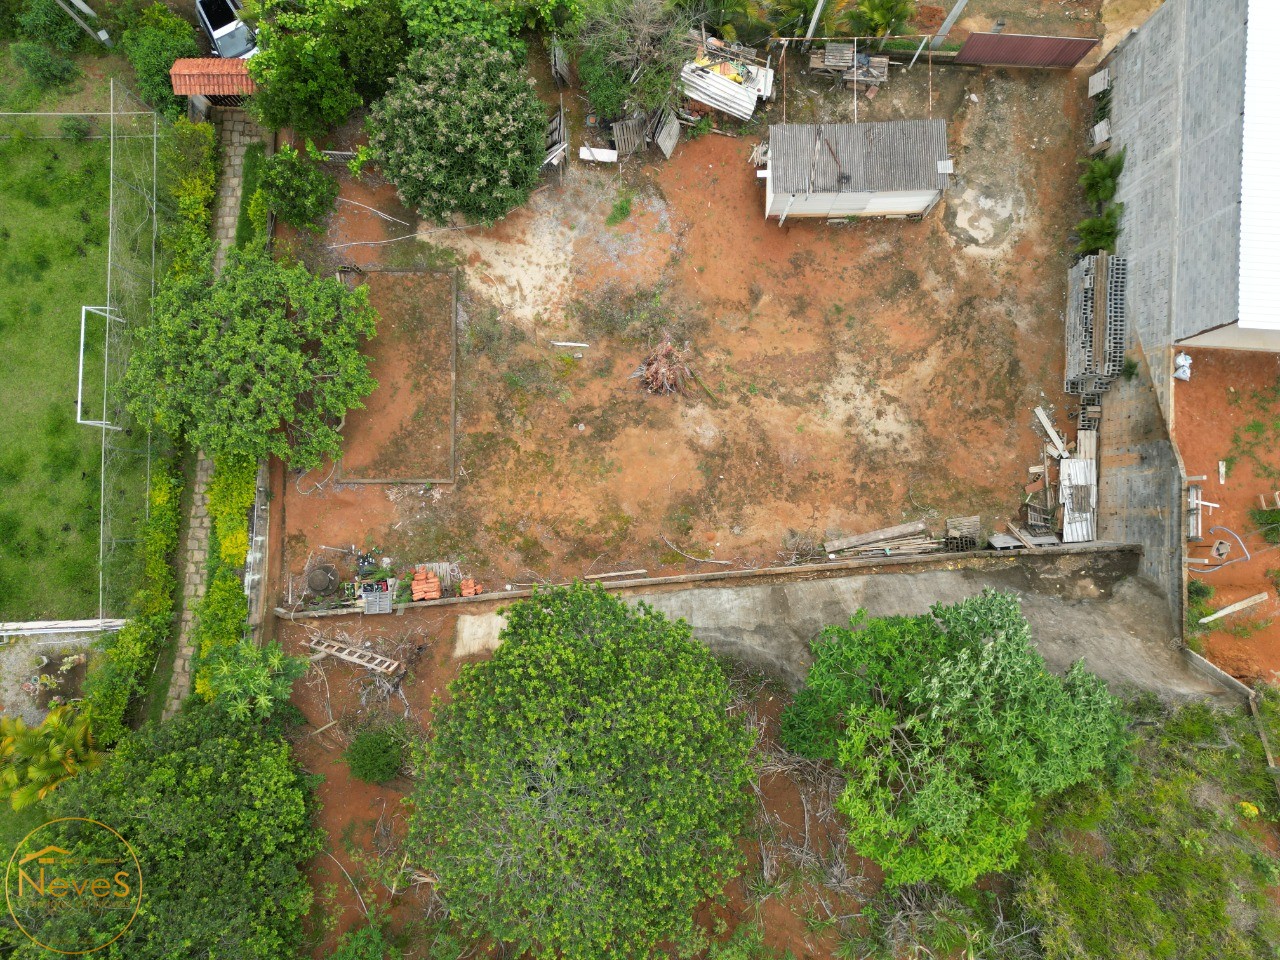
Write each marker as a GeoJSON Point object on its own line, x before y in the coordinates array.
{"type": "Point", "coordinates": [583, 789]}
{"type": "Point", "coordinates": [318, 59]}
{"type": "Point", "coordinates": [219, 816]}
{"type": "Point", "coordinates": [35, 761]}
{"type": "Point", "coordinates": [263, 359]}
{"type": "Point", "coordinates": [461, 132]}
{"type": "Point", "coordinates": [949, 730]}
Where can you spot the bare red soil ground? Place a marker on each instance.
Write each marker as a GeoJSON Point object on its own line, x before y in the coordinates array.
{"type": "Point", "coordinates": [855, 375]}
{"type": "Point", "coordinates": [1230, 411]}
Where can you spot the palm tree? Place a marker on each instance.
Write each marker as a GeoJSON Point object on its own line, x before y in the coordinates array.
{"type": "Point", "coordinates": [791, 18]}
{"type": "Point", "coordinates": [36, 761]}
{"type": "Point", "coordinates": [878, 18]}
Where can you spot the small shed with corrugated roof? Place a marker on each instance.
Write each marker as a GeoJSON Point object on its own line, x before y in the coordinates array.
{"type": "Point", "coordinates": [895, 169]}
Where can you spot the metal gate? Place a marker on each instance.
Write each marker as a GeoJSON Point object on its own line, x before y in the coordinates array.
{"type": "Point", "coordinates": [1021, 50]}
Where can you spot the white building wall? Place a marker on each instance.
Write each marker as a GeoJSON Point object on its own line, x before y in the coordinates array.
{"type": "Point", "coordinates": [828, 205]}
{"type": "Point", "coordinates": [1235, 337]}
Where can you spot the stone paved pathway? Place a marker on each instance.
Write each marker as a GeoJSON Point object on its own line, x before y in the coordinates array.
{"type": "Point", "coordinates": [235, 132]}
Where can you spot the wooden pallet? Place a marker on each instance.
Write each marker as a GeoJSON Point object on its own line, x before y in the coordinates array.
{"type": "Point", "coordinates": [363, 658]}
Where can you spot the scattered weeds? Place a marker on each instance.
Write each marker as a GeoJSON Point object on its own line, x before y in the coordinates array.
{"type": "Point", "coordinates": [621, 208]}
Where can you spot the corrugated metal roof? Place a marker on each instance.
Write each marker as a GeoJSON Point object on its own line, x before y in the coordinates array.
{"type": "Point", "coordinates": [211, 77]}
{"type": "Point", "coordinates": [857, 157]}
{"type": "Point", "coordinates": [1259, 198]}
{"type": "Point", "coordinates": [718, 92]}
{"type": "Point", "coordinates": [1024, 50]}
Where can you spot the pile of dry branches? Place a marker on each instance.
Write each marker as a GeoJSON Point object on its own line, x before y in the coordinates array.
{"type": "Point", "coordinates": [666, 369]}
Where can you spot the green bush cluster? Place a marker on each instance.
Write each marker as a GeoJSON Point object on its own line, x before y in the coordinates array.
{"type": "Point", "coordinates": [43, 21]}
{"type": "Point", "coordinates": [220, 817]}
{"type": "Point", "coordinates": [481, 21]}
{"type": "Point", "coordinates": [189, 170]}
{"type": "Point", "coordinates": [366, 943]}
{"type": "Point", "coordinates": [1099, 181]}
{"type": "Point", "coordinates": [44, 67]}
{"type": "Point", "coordinates": [461, 132]}
{"type": "Point", "coordinates": [949, 730]}
{"type": "Point", "coordinates": [232, 490]}
{"type": "Point", "coordinates": [319, 59]}
{"type": "Point", "coordinates": [375, 754]}
{"type": "Point", "coordinates": [120, 673]}
{"type": "Point", "coordinates": [251, 222]}
{"type": "Point", "coordinates": [297, 188]}
{"type": "Point", "coordinates": [155, 39]}
{"type": "Point", "coordinates": [630, 53]}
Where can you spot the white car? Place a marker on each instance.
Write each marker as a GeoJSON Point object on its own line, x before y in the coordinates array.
{"type": "Point", "coordinates": [231, 37]}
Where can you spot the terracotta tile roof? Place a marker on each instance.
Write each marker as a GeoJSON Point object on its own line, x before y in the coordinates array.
{"type": "Point", "coordinates": [211, 76]}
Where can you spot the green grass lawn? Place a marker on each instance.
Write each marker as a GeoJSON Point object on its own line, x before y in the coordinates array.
{"type": "Point", "coordinates": [53, 260]}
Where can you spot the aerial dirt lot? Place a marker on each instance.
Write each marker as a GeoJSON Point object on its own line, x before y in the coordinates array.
{"type": "Point", "coordinates": [849, 376]}
{"type": "Point", "coordinates": [1230, 411]}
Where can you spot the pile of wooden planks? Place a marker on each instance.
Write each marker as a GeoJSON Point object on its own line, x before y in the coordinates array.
{"type": "Point", "coordinates": [426, 585]}
{"type": "Point", "coordinates": [904, 539]}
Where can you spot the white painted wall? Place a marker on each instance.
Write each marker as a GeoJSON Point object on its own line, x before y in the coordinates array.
{"type": "Point", "coordinates": [827, 205]}
{"type": "Point", "coordinates": [1235, 337]}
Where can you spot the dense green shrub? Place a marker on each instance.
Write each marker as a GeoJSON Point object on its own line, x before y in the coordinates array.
{"type": "Point", "coordinates": [480, 21]}
{"type": "Point", "coordinates": [155, 40]}
{"type": "Point", "coordinates": [607, 86]}
{"type": "Point", "coordinates": [219, 816]}
{"type": "Point", "coordinates": [366, 943]}
{"type": "Point", "coordinates": [43, 67]}
{"type": "Point", "coordinates": [302, 82]}
{"type": "Point", "coordinates": [461, 132]}
{"type": "Point", "coordinates": [375, 755]}
{"type": "Point", "coordinates": [319, 58]}
{"type": "Point", "coordinates": [297, 188]}
{"type": "Point", "coordinates": [75, 129]}
{"type": "Point", "coordinates": [232, 490]}
{"type": "Point", "coordinates": [583, 790]}
{"type": "Point", "coordinates": [631, 51]}
{"type": "Point", "coordinates": [43, 21]}
{"type": "Point", "coordinates": [1100, 232]}
{"type": "Point", "coordinates": [1101, 176]}
{"type": "Point", "coordinates": [120, 673]}
{"type": "Point", "coordinates": [263, 359]}
{"type": "Point", "coordinates": [878, 18]}
{"type": "Point", "coordinates": [949, 729]}
{"type": "Point", "coordinates": [189, 169]}
{"type": "Point", "coordinates": [9, 25]}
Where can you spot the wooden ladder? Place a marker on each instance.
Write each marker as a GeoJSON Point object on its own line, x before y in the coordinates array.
{"type": "Point", "coordinates": [364, 658]}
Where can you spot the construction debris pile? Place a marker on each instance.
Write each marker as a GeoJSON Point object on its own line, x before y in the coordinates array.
{"type": "Point", "coordinates": [1062, 508]}
{"type": "Point", "coordinates": [725, 77]}
{"type": "Point", "coordinates": [907, 539]}
{"type": "Point", "coordinates": [374, 586]}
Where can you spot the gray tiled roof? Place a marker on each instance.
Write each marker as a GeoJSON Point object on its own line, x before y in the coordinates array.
{"type": "Point", "coordinates": [857, 157]}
